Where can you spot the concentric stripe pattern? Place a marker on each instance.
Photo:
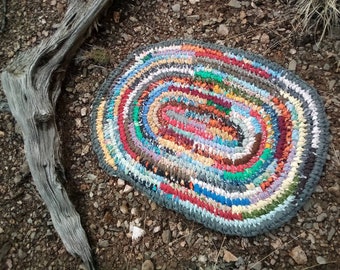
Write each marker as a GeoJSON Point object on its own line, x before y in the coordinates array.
{"type": "Point", "coordinates": [223, 136]}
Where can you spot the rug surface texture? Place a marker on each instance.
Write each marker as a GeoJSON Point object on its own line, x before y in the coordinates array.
{"type": "Point", "coordinates": [225, 137]}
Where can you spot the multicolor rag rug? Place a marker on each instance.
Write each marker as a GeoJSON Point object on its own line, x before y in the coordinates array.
{"type": "Point", "coordinates": [225, 137]}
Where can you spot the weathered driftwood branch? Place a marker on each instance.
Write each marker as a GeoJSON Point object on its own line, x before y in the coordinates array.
{"type": "Point", "coordinates": [32, 85]}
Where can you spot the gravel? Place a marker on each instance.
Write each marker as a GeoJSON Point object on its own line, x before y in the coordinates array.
{"type": "Point", "coordinates": [111, 210]}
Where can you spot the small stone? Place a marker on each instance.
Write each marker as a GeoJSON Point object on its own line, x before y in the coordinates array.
{"type": "Point", "coordinates": [83, 111]}
{"type": "Point", "coordinates": [243, 15]}
{"type": "Point", "coordinates": [330, 234]}
{"type": "Point", "coordinates": [292, 65]}
{"type": "Point", "coordinates": [148, 265]}
{"type": "Point", "coordinates": [239, 262]}
{"type": "Point", "coordinates": [120, 182]}
{"type": "Point", "coordinates": [53, 2]}
{"type": "Point", "coordinates": [8, 264]}
{"type": "Point", "coordinates": [321, 217]}
{"type": "Point", "coordinates": [234, 4]}
{"type": "Point", "coordinates": [202, 258]}
{"type": "Point", "coordinates": [331, 84]}
{"type": "Point", "coordinates": [166, 236]}
{"type": "Point", "coordinates": [326, 67]}
{"type": "Point", "coordinates": [193, 2]}
{"type": "Point", "coordinates": [124, 208]}
{"type": "Point", "coordinates": [335, 190]}
{"type": "Point", "coordinates": [337, 46]}
{"type": "Point", "coordinates": [256, 266]}
{"type": "Point", "coordinates": [321, 260]}
{"type": "Point", "coordinates": [134, 211]}
{"type": "Point", "coordinates": [223, 30]}
{"type": "Point", "coordinates": [17, 179]}
{"type": "Point", "coordinates": [137, 232]}
{"type": "Point", "coordinates": [21, 254]}
{"type": "Point", "coordinates": [103, 243]}
{"type": "Point", "coordinates": [176, 8]}
{"type": "Point", "coordinates": [298, 255]}
{"type": "Point", "coordinates": [153, 206]}
{"type": "Point", "coordinates": [127, 189]}
{"type": "Point", "coordinates": [264, 39]}
{"type": "Point", "coordinates": [2, 134]}
{"type": "Point", "coordinates": [192, 18]}
{"type": "Point", "coordinates": [126, 37]}
{"type": "Point", "coordinates": [45, 33]}
{"type": "Point", "coordinates": [156, 229]}
{"type": "Point", "coordinates": [229, 257]}
{"type": "Point", "coordinates": [133, 19]}
{"type": "Point", "coordinates": [91, 177]}
{"type": "Point", "coordinates": [292, 51]}
{"type": "Point", "coordinates": [1, 230]}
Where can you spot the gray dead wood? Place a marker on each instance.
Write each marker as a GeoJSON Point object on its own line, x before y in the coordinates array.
{"type": "Point", "coordinates": [32, 84]}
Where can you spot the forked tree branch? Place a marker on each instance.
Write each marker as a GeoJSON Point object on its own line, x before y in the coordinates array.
{"type": "Point", "coordinates": [32, 84]}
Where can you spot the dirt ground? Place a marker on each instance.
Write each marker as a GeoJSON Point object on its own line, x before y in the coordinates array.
{"type": "Point", "coordinates": [108, 206]}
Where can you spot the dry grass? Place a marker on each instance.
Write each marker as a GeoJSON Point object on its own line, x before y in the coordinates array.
{"type": "Point", "coordinates": [313, 15]}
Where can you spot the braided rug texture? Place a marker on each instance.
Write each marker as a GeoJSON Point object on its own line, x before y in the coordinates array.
{"type": "Point", "coordinates": [225, 137]}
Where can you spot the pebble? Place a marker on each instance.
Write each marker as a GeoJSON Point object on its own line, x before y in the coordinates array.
{"type": "Point", "coordinates": [91, 177]}
{"type": "Point", "coordinates": [321, 260]}
{"type": "Point", "coordinates": [120, 182]}
{"type": "Point", "coordinates": [330, 234]}
{"type": "Point", "coordinates": [229, 257]}
{"type": "Point", "coordinates": [256, 266]}
{"type": "Point", "coordinates": [335, 190]}
{"type": "Point", "coordinates": [83, 111]}
{"type": "Point", "coordinates": [234, 4]}
{"type": "Point", "coordinates": [124, 208]}
{"type": "Point", "coordinates": [148, 265]}
{"type": "Point", "coordinates": [223, 30]}
{"type": "Point", "coordinates": [21, 254]}
{"type": "Point", "coordinates": [193, 2]}
{"type": "Point", "coordinates": [239, 262]}
{"type": "Point", "coordinates": [292, 65]}
{"type": "Point", "coordinates": [17, 179]}
{"type": "Point", "coordinates": [2, 134]}
{"type": "Point", "coordinates": [103, 243]}
{"type": "Point", "coordinates": [202, 258]}
{"type": "Point", "coordinates": [321, 217]}
{"type": "Point", "coordinates": [176, 8]}
{"type": "Point", "coordinates": [127, 189]}
{"type": "Point", "coordinates": [192, 18]}
{"type": "Point", "coordinates": [157, 229]}
{"type": "Point", "coordinates": [298, 255]}
{"type": "Point", "coordinates": [166, 234]}
{"type": "Point", "coordinates": [326, 67]}
{"type": "Point", "coordinates": [153, 206]}
{"type": "Point", "coordinates": [292, 51]}
{"type": "Point", "coordinates": [137, 232]}
{"type": "Point", "coordinates": [331, 84]}
{"type": "Point", "coordinates": [264, 39]}
{"type": "Point", "coordinates": [134, 211]}
{"type": "Point", "coordinates": [337, 46]}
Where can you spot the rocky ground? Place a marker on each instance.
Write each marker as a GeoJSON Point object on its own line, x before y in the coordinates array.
{"type": "Point", "coordinates": [109, 206]}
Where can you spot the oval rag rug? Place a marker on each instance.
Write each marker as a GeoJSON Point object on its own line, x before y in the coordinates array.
{"type": "Point", "coordinates": [225, 137]}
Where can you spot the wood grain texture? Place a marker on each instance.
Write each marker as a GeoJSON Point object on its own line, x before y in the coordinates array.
{"type": "Point", "coordinates": [32, 84]}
